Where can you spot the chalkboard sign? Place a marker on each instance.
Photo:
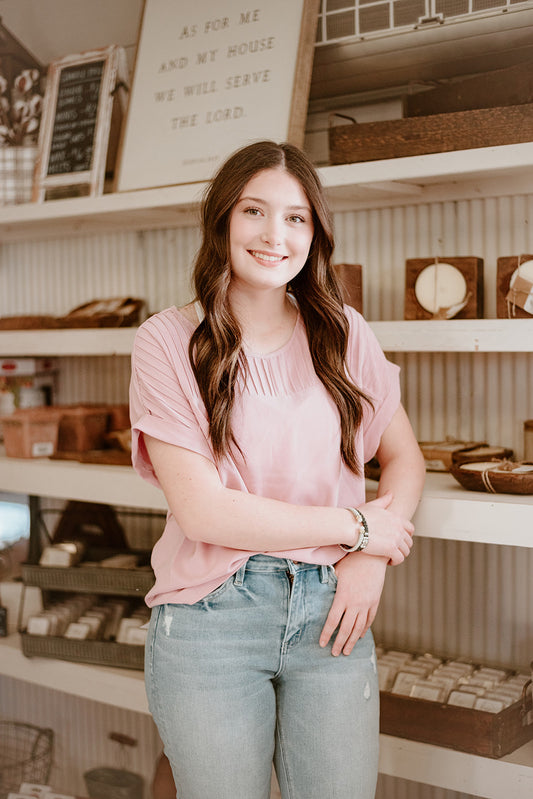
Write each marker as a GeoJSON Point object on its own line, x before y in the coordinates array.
{"type": "Point", "coordinates": [71, 149]}
{"type": "Point", "coordinates": [79, 131]}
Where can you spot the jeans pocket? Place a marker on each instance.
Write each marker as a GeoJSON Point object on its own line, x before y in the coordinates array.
{"type": "Point", "coordinates": [211, 599]}
{"type": "Point", "coordinates": [150, 638]}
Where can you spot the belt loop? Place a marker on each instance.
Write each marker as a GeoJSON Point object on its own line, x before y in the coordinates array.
{"type": "Point", "coordinates": [239, 575]}
{"type": "Point", "coordinates": [324, 576]}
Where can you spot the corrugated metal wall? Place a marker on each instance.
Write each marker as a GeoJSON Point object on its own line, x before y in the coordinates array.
{"type": "Point", "coordinates": [450, 597]}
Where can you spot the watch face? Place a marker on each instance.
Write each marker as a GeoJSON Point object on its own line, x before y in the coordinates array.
{"type": "Point", "coordinates": [440, 286]}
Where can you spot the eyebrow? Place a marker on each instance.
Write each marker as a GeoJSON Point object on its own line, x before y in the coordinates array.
{"type": "Point", "coordinates": [264, 202]}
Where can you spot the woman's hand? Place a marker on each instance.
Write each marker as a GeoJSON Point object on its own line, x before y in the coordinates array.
{"type": "Point", "coordinates": [360, 579]}
{"type": "Point", "coordinates": [390, 535]}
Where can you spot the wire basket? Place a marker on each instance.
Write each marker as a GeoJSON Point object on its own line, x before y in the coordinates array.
{"type": "Point", "coordinates": [25, 755]}
{"type": "Point", "coordinates": [113, 783]}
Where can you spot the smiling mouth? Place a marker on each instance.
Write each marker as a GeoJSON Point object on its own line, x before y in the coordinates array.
{"type": "Point", "coordinates": [271, 259]}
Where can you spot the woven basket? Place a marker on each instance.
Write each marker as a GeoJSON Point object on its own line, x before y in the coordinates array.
{"type": "Point", "coordinates": [17, 165]}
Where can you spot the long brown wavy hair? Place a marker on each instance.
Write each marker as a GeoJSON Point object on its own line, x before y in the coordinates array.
{"type": "Point", "coordinates": [215, 348]}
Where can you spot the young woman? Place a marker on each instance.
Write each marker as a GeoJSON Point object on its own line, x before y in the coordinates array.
{"type": "Point", "coordinates": [254, 409]}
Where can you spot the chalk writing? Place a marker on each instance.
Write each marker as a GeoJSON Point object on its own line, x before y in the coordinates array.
{"type": "Point", "coordinates": [71, 148]}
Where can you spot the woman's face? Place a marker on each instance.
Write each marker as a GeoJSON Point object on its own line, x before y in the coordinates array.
{"type": "Point", "coordinates": [270, 230]}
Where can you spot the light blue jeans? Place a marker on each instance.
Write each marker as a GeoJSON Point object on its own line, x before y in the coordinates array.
{"type": "Point", "coordinates": [238, 679]}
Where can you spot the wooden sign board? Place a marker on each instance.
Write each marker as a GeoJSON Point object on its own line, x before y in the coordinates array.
{"type": "Point", "coordinates": [80, 127]}
{"type": "Point", "coordinates": [350, 277]}
{"type": "Point", "coordinates": [210, 77]}
{"type": "Point", "coordinates": [444, 288]}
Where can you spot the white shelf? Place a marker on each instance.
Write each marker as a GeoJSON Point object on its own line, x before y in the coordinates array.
{"type": "Point", "coordinates": [503, 169]}
{"type": "Point", "coordinates": [399, 757]}
{"type": "Point", "coordinates": [458, 771]}
{"type": "Point", "coordinates": [450, 512]}
{"type": "Point", "coordinates": [86, 482]}
{"type": "Point", "coordinates": [122, 688]}
{"type": "Point", "coordinates": [506, 169]}
{"type": "Point", "coordinates": [446, 510]}
{"type": "Point", "coordinates": [148, 209]}
{"type": "Point", "coordinates": [456, 335]}
{"type": "Point", "coordinates": [76, 342]}
{"type": "Point", "coordinates": [468, 335]}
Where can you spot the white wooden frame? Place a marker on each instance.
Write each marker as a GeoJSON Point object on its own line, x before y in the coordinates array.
{"type": "Point", "coordinates": [209, 78]}
{"type": "Point", "coordinates": [91, 181]}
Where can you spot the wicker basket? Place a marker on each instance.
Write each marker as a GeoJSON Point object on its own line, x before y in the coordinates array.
{"type": "Point", "coordinates": [26, 755]}
{"type": "Point", "coordinates": [17, 166]}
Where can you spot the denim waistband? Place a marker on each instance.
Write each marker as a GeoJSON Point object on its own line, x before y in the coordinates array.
{"type": "Point", "coordinates": [268, 563]}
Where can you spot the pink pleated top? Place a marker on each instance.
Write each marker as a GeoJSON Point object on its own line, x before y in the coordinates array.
{"type": "Point", "coordinates": [285, 423]}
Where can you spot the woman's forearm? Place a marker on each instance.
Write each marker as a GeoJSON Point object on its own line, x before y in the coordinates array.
{"type": "Point", "coordinates": [404, 479]}
{"type": "Point", "coordinates": [210, 512]}
{"type": "Point", "coordinates": [246, 521]}
{"type": "Point", "coordinates": [403, 468]}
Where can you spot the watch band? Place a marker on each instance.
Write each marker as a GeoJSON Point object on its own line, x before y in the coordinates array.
{"type": "Point", "coordinates": [364, 535]}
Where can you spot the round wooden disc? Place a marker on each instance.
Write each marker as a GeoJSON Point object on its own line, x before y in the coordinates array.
{"type": "Point", "coordinates": [440, 285]}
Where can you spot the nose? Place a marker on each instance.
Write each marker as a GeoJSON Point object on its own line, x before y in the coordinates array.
{"type": "Point", "coordinates": [271, 233]}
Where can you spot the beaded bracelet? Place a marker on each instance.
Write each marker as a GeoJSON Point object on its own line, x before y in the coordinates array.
{"type": "Point", "coordinates": [364, 535]}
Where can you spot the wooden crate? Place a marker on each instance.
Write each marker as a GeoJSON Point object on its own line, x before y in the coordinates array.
{"type": "Point", "coordinates": [31, 432]}
{"type": "Point", "coordinates": [506, 266]}
{"type": "Point", "coordinates": [460, 130]}
{"type": "Point", "coordinates": [500, 87]}
{"type": "Point", "coordinates": [82, 427]}
{"type": "Point", "coordinates": [350, 277]}
{"type": "Point", "coordinates": [460, 728]}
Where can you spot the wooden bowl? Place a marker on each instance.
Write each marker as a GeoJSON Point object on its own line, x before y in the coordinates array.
{"type": "Point", "coordinates": [496, 476]}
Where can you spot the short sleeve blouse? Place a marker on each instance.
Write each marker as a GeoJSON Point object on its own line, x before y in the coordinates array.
{"type": "Point", "coordinates": [284, 421]}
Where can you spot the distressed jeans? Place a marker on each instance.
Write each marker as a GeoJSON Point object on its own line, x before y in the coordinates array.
{"type": "Point", "coordinates": [238, 679]}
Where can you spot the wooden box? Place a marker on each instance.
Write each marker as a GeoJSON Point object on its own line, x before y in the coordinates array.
{"type": "Point", "coordinates": [470, 267]}
{"type": "Point", "coordinates": [438, 455]}
{"type": "Point", "coordinates": [506, 266]}
{"type": "Point", "coordinates": [499, 87]}
{"type": "Point", "coordinates": [464, 729]}
{"type": "Point", "coordinates": [459, 130]}
{"type": "Point", "coordinates": [82, 427]}
{"type": "Point", "coordinates": [31, 432]}
{"type": "Point", "coordinates": [350, 277]}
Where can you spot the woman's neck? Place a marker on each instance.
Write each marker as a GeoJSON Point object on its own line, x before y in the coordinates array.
{"type": "Point", "coordinates": [267, 320]}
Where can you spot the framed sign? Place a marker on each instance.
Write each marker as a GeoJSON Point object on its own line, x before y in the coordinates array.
{"type": "Point", "coordinates": [80, 127]}
{"type": "Point", "coordinates": [209, 77]}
